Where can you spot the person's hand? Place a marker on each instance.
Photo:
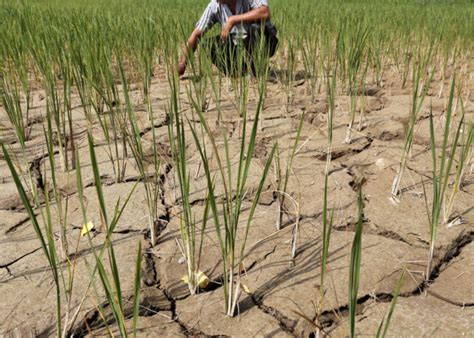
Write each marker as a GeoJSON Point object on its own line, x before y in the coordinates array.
{"type": "Point", "coordinates": [181, 68]}
{"type": "Point", "coordinates": [226, 29]}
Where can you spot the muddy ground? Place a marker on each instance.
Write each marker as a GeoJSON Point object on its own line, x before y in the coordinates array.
{"type": "Point", "coordinates": [282, 289]}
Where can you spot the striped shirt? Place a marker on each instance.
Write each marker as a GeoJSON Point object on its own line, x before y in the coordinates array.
{"type": "Point", "coordinates": [220, 13]}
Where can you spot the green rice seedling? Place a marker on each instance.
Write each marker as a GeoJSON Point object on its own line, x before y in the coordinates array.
{"type": "Point", "coordinates": [61, 205]}
{"type": "Point", "coordinates": [45, 237]}
{"type": "Point", "coordinates": [385, 323]}
{"type": "Point", "coordinates": [354, 272]}
{"type": "Point", "coordinates": [198, 87]}
{"type": "Point", "coordinates": [67, 80]}
{"type": "Point", "coordinates": [289, 77]}
{"type": "Point", "coordinates": [136, 289]}
{"type": "Point", "coordinates": [407, 61]}
{"type": "Point", "coordinates": [110, 278]}
{"type": "Point", "coordinates": [20, 59]}
{"type": "Point", "coordinates": [283, 176]}
{"type": "Point", "coordinates": [145, 52]}
{"type": "Point", "coordinates": [441, 173]}
{"type": "Point", "coordinates": [310, 49]}
{"type": "Point", "coordinates": [237, 68]}
{"type": "Point", "coordinates": [421, 85]}
{"type": "Point", "coordinates": [113, 290]}
{"type": "Point", "coordinates": [88, 63]}
{"type": "Point", "coordinates": [151, 182]}
{"type": "Point", "coordinates": [362, 95]}
{"type": "Point", "coordinates": [356, 50]}
{"type": "Point", "coordinates": [328, 219]}
{"type": "Point", "coordinates": [54, 102]}
{"type": "Point", "coordinates": [259, 64]}
{"type": "Point", "coordinates": [16, 114]}
{"type": "Point", "coordinates": [114, 123]}
{"type": "Point", "coordinates": [192, 235]}
{"type": "Point", "coordinates": [216, 86]}
{"type": "Point", "coordinates": [378, 56]}
{"type": "Point", "coordinates": [82, 87]}
{"type": "Point", "coordinates": [464, 155]}
{"type": "Point", "coordinates": [226, 220]}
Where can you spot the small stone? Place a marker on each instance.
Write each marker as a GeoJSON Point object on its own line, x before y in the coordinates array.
{"type": "Point", "coordinates": [380, 163]}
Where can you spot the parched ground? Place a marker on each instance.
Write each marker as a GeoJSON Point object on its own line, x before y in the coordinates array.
{"type": "Point", "coordinates": [282, 289]}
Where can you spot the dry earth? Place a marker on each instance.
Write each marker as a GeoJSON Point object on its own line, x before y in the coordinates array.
{"type": "Point", "coordinates": [395, 237]}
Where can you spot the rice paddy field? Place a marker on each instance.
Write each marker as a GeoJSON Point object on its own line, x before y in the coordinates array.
{"type": "Point", "coordinates": [330, 195]}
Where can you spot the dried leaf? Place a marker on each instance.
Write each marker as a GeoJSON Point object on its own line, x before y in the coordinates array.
{"type": "Point", "coordinates": [202, 279]}
{"type": "Point", "coordinates": [245, 288]}
{"type": "Point", "coordinates": [86, 228]}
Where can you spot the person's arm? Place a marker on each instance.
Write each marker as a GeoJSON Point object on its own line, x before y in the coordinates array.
{"type": "Point", "coordinates": [190, 47]}
{"type": "Point", "coordinates": [207, 20]}
{"type": "Point", "coordinates": [258, 14]}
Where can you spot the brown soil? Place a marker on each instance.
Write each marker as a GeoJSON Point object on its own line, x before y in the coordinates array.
{"type": "Point", "coordinates": [282, 289]}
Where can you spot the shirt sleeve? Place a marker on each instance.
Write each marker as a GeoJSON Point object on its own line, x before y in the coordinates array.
{"type": "Point", "coordinates": [258, 3]}
{"type": "Point", "coordinates": [208, 18]}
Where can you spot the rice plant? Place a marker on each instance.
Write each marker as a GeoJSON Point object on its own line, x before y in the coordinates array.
{"type": "Point", "coordinates": [45, 237]}
{"type": "Point", "coordinates": [463, 159]}
{"type": "Point", "coordinates": [16, 114]}
{"type": "Point", "coordinates": [310, 49]}
{"type": "Point", "coordinates": [151, 182]}
{"type": "Point", "coordinates": [109, 277]}
{"type": "Point", "coordinates": [227, 217]}
{"type": "Point", "coordinates": [327, 218]}
{"type": "Point", "coordinates": [354, 272]}
{"type": "Point", "coordinates": [385, 323]}
{"type": "Point", "coordinates": [114, 124]}
{"type": "Point", "coordinates": [283, 174]}
{"type": "Point", "coordinates": [102, 62]}
{"type": "Point", "coordinates": [441, 173]}
{"type": "Point", "coordinates": [421, 78]}
{"type": "Point", "coordinates": [192, 235]}
{"type": "Point", "coordinates": [54, 101]}
{"type": "Point", "coordinates": [355, 58]}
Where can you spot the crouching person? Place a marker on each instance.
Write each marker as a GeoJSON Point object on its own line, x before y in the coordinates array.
{"type": "Point", "coordinates": [247, 39]}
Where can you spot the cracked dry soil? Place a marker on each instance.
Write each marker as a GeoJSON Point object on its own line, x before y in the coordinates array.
{"type": "Point", "coordinates": [281, 288]}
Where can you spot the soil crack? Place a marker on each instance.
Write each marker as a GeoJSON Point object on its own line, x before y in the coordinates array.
{"type": "Point", "coordinates": [286, 324]}
{"type": "Point", "coordinates": [6, 265]}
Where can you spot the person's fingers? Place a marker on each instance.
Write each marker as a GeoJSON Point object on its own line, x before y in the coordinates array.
{"type": "Point", "coordinates": [181, 68]}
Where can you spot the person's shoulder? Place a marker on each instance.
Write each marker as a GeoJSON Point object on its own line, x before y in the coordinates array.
{"type": "Point", "coordinates": [213, 5]}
